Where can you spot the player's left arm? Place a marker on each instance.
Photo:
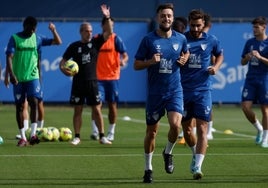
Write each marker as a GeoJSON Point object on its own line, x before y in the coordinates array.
{"type": "Point", "coordinates": [56, 37]}
{"type": "Point", "coordinates": [216, 65]}
{"type": "Point", "coordinates": [261, 58]}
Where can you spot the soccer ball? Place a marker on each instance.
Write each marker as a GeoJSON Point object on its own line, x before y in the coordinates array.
{"type": "Point", "coordinates": [44, 134]}
{"type": "Point", "coordinates": [55, 133]}
{"type": "Point", "coordinates": [40, 133]}
{"type": "Point", "coordinates": [1, 140]}
{"type": "Point", "coordinates": [65, 134]}
{"type": "Point", "coordinates": [72, 66]}
{"type": "Point", "coordinates": [48, 135]}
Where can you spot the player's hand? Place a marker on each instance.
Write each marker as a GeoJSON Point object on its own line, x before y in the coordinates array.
{"type": "Point", "coordinates": [13, 79]}
{"type": "Point", "coordinates": [105, 10]}
{"type": "Point", "coordinates": [182, 59]}
{"type": "Point", "coordinates": [66, 71]}
{"type": "Point", "coordinates": [211, 70]}
{"type": "Point", "coordinates": [51, 27]}
{"type": "Point", "coordinates": [156, 58]}
{"type": "Point", "coordinates": [256, 54]}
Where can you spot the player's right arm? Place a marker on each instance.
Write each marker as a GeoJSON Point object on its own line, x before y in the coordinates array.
{"type": "Point", "coordinates": [143, 64]}
{"type": "Point", "coordinates": [12, 76]}
{"type": "Point", "coordinates": [246, 59]}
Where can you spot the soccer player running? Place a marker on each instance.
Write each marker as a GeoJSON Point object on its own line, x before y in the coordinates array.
{"type": "Point", "coordinates": [196, 84]}
{"type": "Point", "coordinates": [84, 85]}
{"type": "Point", "coordinates": [255, 55]}
{"type": "Point", "coordinates": [162, 52]}
{"type": "Point", "coordinates": [23, 62]}
{"type": "Point", "coordinates": [112, 56]}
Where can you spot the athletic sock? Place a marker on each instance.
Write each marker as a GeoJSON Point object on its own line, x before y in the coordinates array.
{"type": "Point", "coordinates": [22, 133]}
{"type": "Point", "coordinates": [40, 124]}
{"type": "Point", "coordinates": [148, 161]}
{"type": "Point", "coordinates": [199, 158]}
{"type": "Point", "coordinates": [258, 125]}
{"type": "Point", "coordinates": [210, 124]}
{"type": "Point", "coordinates": [169, 147]}
{"type": "Point", "coordinates": [33, 129]}
{"type": "Point", "coordinates": [94, 127]}
{"type": "Point", "coordinates": [111, 128]}
{"type": "Point", "coordinates": [26, 124]}
{"type": "Point", "coordinates": [265, 136]}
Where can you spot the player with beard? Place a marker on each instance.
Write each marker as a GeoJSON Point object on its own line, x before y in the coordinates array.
{"type": "Point", "coordinates": [162, 52]}
{"type": "Point", "coordinates": [196, 84]}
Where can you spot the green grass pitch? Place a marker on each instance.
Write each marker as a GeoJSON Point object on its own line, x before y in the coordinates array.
{"type": "Point", "coordinates": [231, 161]}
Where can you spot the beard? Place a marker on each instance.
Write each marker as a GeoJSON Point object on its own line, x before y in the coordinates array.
{"type": "Point", "coordinates": [195, 34]}
{"type": "Point", "coordinates": [164, 29]}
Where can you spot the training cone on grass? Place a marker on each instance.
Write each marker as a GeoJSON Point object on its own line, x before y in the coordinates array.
{"type": "Point", "coordinates": [228, 131]}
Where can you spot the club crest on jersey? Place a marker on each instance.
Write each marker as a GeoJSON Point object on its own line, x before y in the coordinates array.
{"type": "Point", "coordinates": [176, 46]}
{"type": "Point", "coordinates": [204, 46]}
{"type": "Point", "coordinates": [261, 48]}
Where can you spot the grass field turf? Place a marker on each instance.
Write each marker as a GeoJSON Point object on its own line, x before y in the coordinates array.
{"type": "Point", "coordinates": [231, 160]}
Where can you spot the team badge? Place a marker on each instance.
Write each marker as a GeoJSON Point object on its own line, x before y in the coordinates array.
{"type": "Point", "coordinates": [204, 46]}
{"type": "Point", "coordinates": [261, 48]}
{"type": "Point", "coordinates": [176, 46]}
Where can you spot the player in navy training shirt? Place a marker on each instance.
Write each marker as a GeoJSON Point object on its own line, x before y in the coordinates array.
{"type": "Point", "coordinates": [255, 55]}
{"type": "Point", "coordinates": [162, 52]}
{"type": "Point", "coordinates": [196, 83]}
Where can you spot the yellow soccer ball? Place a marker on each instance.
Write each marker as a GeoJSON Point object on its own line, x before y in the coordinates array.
{"type": "Point", "coordinates": [65, 134]}
{"type": "Point", "coordinates": [71, 66]}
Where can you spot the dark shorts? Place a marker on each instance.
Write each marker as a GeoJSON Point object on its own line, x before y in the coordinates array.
{"type": "Point", "coordinates": [23, 90]}
{"type": "Point", "coordinates": [85, 92]}
{"type": "Point", "coordinates": [109, 90]}
{"type": "Point", "coordinates": [255, 89]}
{"type": "Point", "coordinates": [197, 104]}
{"type": "Point", "coordinates": [156, 106]}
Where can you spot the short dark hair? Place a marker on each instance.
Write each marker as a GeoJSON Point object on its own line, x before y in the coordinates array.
{"type": "Point", "coordinates": [196, 14]}
{"type": "Point", "coordinates": [30, 21]}
{"type": "Point", "coordinates": [181, 19]}
{"type": "Point", "coordinates": [260, 20]}
{"type": "Point", "coordinates": [207, 19]}
{"type": "Point", "coordinates": [165, 6]}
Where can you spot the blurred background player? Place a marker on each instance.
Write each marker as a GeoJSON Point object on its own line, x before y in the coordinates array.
{"type": "Point", "coordinates": [180, 25]}
{"type": "Point", "coordinates": [56, 40]}
{"type": "Point", "coordinates": [208, 25]}
{"type": "Point", "coordinates": [255, 55]}
{"type": "Point", "coordinates": [84, 85]}
{"type": "Point", "coordinates": [112, 56]}
{"type": "Point", "coordinates": [22, 62]}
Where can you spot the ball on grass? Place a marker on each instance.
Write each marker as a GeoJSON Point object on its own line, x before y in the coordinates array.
{"type": "Point", "coordinates": [1, 140]}
{"type": "Point", "coordinates": [65, 134]}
